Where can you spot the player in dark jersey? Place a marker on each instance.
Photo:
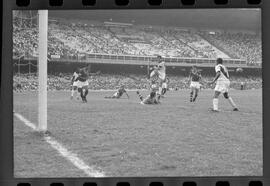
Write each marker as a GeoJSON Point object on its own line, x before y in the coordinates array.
{"type": "Point", "coordinates": [194, 79]}
{"type": "Point", "coordinates": [118, 94]}
{"type": "Point", "coordinates": [83, 83]}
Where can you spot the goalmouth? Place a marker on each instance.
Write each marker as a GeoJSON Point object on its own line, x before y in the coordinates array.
{"type": "Point", "coordinates": [42, 69]}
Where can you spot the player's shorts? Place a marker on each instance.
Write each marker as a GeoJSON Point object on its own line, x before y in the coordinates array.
{"type": "Point", "coordinates": [222, 86]}
{"type": "Point", "coordinates": [75, 84]}
{"type": "Point", "coordinates": [164, 85]}
{"type": "Point", "coordinates": [82, 84]}
{"type": "Point", "coordinates": [195, 84]}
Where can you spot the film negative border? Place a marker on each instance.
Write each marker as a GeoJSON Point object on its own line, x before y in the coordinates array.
{"type": "Point", "coordinates": [134, 4]}
{"type": "Point", "coordinates": [6, 132]}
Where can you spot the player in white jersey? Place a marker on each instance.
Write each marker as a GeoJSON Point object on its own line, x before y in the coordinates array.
{"type": "Point", "coordinates": [160, 72]}
{"type": "Point", "coordinates": [74, 84]}
{"type": "Point", "coordinates": [222, 85]}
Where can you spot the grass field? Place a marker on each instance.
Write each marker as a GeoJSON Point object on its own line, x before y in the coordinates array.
{"type": "Point", "coordinates": [124, 138]}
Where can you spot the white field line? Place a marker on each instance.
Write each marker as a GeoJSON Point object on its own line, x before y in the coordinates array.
{"type": "Point", "coordinates": [70, 156]}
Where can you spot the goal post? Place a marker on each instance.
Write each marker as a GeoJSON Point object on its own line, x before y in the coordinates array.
{"type": "Point", "coordinates": [42, 69]}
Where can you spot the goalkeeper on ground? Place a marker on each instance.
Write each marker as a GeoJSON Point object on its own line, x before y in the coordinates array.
{"type": "Point", "coordinates": [118, 94]}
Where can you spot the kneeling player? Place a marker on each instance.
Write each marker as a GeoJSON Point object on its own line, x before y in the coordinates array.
{"type": "Point", "coordinates": [118, 94]}
{"type": "Point", "coordinates": [194, 78]}
{"type": "Point", "coordinates": [222, 85]}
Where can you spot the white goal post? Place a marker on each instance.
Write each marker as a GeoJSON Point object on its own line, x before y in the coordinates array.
{"type": "Point", "coordinates": [42, 69]}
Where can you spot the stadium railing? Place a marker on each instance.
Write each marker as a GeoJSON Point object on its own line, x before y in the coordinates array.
{"type": "Point", "coordinates": [145, 60]}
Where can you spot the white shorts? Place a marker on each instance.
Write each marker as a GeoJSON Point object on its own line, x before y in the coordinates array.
{"type": "Point", "coordinates": [115, 94]}
{"type": "Point", "coordinates": [222, 86]}
{"type": "Point", "coordinates": [75, 84]}
{"type": "Point", "coordinates": [195, 84]}
{"type": "Point", "coordinates": [164, 85]}
{"type": "Point", "coordinates": [81, 84]}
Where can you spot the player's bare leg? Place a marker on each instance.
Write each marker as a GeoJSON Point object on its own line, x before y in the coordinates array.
{"type": "Point", "coordinates": [72, 92]}
{"type": "Point", "coordinates": [164, 90]}
{"type": "Point", "coordinates": [226, 96]}
{"type": "Point", "coordinates": [140, 96]}
{"type": "Point", "coordinates": [191, 95]}
{"type": "Point", "coordinates": [215, 101]}
{"type": "Point", "coordinates": [84, 93]}
{"type": "Point", "coordinates": [196, 95]}
{"type": "Point", "coordinates": [159, 94]}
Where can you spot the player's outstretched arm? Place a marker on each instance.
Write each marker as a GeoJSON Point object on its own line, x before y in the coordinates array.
{"type": "Point", "coordinates": [215, 79]}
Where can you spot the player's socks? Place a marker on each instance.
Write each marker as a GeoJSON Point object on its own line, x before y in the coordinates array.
{"type": "Point", "coordinates": [163, 91]}
{"type": "Point", "coordinates": [195, 96]}
{"type": "Point", "coordinates": [215, 104]}
{"type": "Point", "coordinates": [72, 92]}
{"type": "Point", "coordinates": [191, 96]}
{"type": "Point", "coordinates": [160, 90]}
{"type": "Point", "coordinates": [232, 103]}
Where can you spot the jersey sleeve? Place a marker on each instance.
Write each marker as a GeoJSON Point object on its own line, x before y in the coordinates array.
{"type": "Point", "coordinates": [217, 68]}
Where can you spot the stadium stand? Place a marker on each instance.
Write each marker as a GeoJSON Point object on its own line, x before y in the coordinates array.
{"type": "Point", "coordinates": [67, 39]}
{"type": "Point", "coordinates": [237, 45]}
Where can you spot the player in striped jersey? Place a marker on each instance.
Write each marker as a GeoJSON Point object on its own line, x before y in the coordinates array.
{"type": "Point", "coordinates": [222, 85]}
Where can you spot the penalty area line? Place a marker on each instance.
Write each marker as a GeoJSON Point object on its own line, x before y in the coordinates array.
{"type": "Point", "coordinates": [64, 152]}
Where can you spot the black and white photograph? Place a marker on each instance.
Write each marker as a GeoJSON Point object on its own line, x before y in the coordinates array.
{"type": "Point", "coordinates": [137, 93]}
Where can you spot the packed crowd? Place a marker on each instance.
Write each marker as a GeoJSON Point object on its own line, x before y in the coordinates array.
{"type": "Point", "coordinates": [28, 82]}
{"type": "Point", "coordinates": [238, 45]}
{"type": "Point", "coordinates": [73, 40]}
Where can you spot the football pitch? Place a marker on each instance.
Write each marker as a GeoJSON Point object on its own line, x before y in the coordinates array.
{"type": "Point", "coordinates": [122, 138]}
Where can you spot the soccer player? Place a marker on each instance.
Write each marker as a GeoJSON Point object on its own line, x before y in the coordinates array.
{"type": "Point", "coordinates": [194, 79]}
{"type": "Point", "coordinates": [74, 84]}
{"type": "Point", "coordinates": [222, 85]}
{"type": "Point", "coordinates": [118, 94]}
{"type": "Point", "coordinates": [83, 83]}
{"type": "Point", "coordinates": [150, 99]}
{"type": "Point", "coordinates": [160, 71]}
